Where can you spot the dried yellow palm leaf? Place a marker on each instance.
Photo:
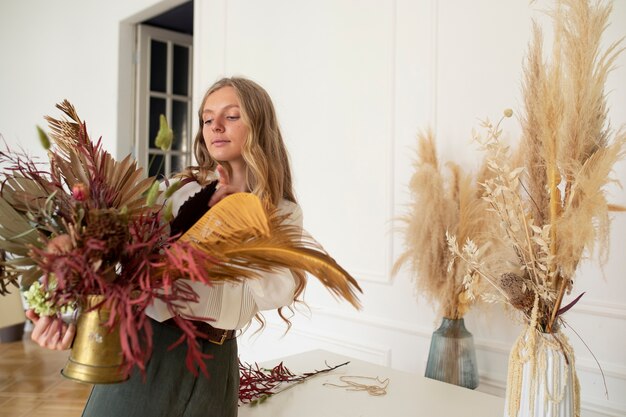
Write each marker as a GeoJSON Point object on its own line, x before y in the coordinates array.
{"type": "Point", "coordinates": [247, 236]}
{"type": "Point", "coordinates": [285, 248]}
{"type": "Point", "coordinates": [240, 214]}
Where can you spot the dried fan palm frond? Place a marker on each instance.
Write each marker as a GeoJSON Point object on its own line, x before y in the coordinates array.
{"type": "Point", "coordinates": [66, 133]}
{"type": "Point", "coordinates": [16, 235]}
{"type": "Point", "coordinates": [240, 216]}
{"type": "Point", "coordinates": [246, 236]}
{"type": "Point", "coordinates": [26, 214]}
{"type": "Point", "coordinates": [79, 161]}
{"type": "Point", "coordinates": [6, 278]}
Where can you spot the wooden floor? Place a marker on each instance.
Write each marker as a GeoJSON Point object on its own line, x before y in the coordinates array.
{"type": "Point", "coordinates": [31, 383]}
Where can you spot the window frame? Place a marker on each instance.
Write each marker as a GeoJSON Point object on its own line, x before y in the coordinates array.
{"type": "Point", "coordinates": [145, 35]}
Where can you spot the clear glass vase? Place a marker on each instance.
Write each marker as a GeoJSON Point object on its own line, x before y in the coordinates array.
{"type": "Point", "coordinates": [452, 356]}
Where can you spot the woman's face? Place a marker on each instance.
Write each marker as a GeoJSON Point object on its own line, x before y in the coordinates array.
{"type": "Point", "coordinates": [223, 129]}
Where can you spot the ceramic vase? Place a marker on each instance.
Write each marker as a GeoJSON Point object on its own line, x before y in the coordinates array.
{"type": "Point", "coordinates": [542, 378]}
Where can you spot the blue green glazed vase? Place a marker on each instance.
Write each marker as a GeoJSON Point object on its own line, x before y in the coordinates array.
{"type": "Point", "coordinates": [452, 356]}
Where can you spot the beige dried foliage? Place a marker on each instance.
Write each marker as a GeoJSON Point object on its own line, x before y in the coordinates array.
{"type": "Point", "coordinates": [440, 203]}
{"type": "Point", "coordinates": [555, 213]}
{"type": "Point", "coordinates": [585, 220]}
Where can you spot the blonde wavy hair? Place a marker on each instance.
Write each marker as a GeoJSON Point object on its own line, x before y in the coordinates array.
{"type": "Point", "coordinates": [268, 172]}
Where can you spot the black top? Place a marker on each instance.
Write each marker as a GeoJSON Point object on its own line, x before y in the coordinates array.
{"type": "Point", "coordinates": [192, 210]}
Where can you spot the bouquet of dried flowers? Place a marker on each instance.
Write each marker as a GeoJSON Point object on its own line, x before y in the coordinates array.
{"type": "Point", "coordinates": [441, 204]}
{"type": "Point", "coordinates": [550, 200]}
{"type": "Point", "coordinates": [550, 195]}
{"type": "Point", "coordinates": [85, 224]}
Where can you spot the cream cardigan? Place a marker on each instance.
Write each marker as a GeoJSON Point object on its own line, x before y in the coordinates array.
{"type": "Point", "coordinates": [232, 305]}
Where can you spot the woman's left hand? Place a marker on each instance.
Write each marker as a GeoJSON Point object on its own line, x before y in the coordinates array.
{"type": "Point", "coordinates": [224, 187]}
{"type": "Point", "coordinates": [50, 332]}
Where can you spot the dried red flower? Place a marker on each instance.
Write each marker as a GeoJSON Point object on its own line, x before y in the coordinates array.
{"type": "Point", "coordinates": [257, 384]}
{"type": "Point", "coordinates": [80, 192]}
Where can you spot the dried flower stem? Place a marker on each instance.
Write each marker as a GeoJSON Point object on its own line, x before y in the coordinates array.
{"type": "Point", "coordinates": [257, 384]}
{"type": "Point", "coordinates": [557, 303]}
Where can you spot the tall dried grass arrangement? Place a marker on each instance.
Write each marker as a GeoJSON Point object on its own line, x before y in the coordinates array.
{"type": "Point", "coordinates": [553, 207]}
{"type": "Point", "coordinates": [440, 204]}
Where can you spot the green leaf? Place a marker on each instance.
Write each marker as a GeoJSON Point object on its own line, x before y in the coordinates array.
{"type": "Point", "coordinates": [165, 136]}
{"type": "Point", "coordinates": [43, 138]}
{"type": "Point", "coordinates": [153, 193]}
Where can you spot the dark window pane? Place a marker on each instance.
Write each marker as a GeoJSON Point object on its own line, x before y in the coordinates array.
{"type": "Point", "coordinates": [181, 70]}
{"type": "Point", "coordinates": [157, 108]}
{"type": "Point", "coordinates": [157, 165]}
{"type": "Point", "coordinates": [180, 125]}
{"type": "Point", "coordinates": [178, 163]}
{"type": "Point", "coordinates": [158, 66]}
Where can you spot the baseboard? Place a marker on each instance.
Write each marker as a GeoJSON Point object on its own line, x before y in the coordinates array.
{"type": "Point", "coordinates": [12, 333]}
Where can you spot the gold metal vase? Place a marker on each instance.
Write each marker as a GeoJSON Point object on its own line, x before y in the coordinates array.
{"type": "Point", "coordinates": [96, 355]}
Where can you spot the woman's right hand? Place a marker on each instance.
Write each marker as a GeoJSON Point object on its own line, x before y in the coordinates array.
{"type": "Point", "coordinates": [51, 332]}
{"type": "Point", "coordinates": [224, 187]}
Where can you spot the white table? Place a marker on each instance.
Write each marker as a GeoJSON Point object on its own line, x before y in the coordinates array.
{"type": "Point", "coordinates": [407, 394]}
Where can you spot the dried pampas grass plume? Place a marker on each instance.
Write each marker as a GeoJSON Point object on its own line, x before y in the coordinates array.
{"type": "Point", "coordinates": [440, 204]}
{"type": "Point", "coordinates": [550, 197]}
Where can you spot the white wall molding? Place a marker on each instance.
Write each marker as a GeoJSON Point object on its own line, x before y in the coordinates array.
{"type": "Point", "coordinates": [374, 321]}
{"type": "Point", "coordinates": [384, 277]}
{"type": "Point", "coordinates": [493, 383]}
{"type": "Point", "coordinates": [434, 62]}
{"type": "Point", "coordinates": [603, 408]}
{"type": "Point", "coordinates": [492, 346]}
{"type": "Point", "coordinates": [381, 354]}
{"type": "Point", "coordinates": [209, 45]}
{"type": "Point", "coordinates": [402, 327]}
{"type": "Point", "coordinates": [600, 309]}
{"type": "Point", "coordinates": [372, 277]}
{"type": "Point", "coordinates": [611, 370]}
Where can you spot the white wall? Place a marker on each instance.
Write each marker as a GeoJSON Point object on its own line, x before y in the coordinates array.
{"type": "Point", "coordinates": [66, 49]}
{"type": "Point", "coordinates": [353, 82]}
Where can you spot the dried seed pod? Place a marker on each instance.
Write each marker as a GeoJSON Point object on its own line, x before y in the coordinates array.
{"type": "Point", "coordinates": [520, 296]}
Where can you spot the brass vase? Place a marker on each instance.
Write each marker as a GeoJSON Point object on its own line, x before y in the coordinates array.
{"type": "Point", "coordinates": [96, 355]}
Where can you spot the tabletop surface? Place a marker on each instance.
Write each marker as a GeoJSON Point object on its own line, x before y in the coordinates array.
{"type": "Point", "coordinates": [407, 394]}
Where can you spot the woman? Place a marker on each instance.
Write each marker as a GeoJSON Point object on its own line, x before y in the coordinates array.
{"type": "Point", "coordinates": [238, 140]}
